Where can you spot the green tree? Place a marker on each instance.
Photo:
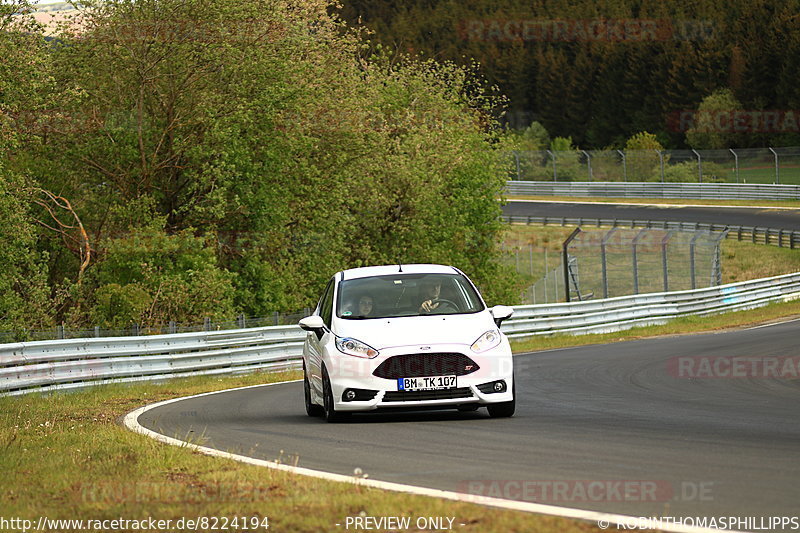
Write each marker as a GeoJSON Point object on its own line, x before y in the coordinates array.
{"type": "Point", "coordinates": [713, 126]}
{"type": "Point", "coordinates": [643, 161]}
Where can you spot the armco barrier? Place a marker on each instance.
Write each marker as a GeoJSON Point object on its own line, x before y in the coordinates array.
{"type": "Point", "coordinates": [778, 237]}
{"type": "Point", "coordinates": [48, 365]}
{"type": "Point", "coordinates": [617, 189]}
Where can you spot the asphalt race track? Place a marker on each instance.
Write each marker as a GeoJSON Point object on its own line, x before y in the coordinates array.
{"type": "Point", "coordinates": [763, 217]}
{"type": "Point", "coordinates": [708, 446]}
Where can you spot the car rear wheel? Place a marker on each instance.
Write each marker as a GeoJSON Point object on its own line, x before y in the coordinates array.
{"type": "Point", "coordinates": [330, 412]}
{"type": "Point", "coordinates": [504, 409]}
{"type": "Point", "coordinates": [312, 409]}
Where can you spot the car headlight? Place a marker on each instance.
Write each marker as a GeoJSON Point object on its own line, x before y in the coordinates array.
{"type": "Point", "coordinates": [487, 341]}
{"type": "Point", "coordinates": [355, 348]}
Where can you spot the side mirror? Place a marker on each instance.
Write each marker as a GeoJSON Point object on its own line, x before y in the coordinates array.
{"type": "Point", "coordinates": [500, 313]}
{"type": "Point", "coordinates": [314, 324]}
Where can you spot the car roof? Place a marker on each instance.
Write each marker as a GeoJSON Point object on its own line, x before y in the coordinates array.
{"type": "Point", "coordinates": [385, 270]}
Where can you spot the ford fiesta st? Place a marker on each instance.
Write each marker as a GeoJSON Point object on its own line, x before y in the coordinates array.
{"type": "Point", "coordinates": [408, 337]}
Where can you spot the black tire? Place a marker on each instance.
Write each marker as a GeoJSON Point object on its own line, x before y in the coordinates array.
{"type": "Point", "coordinates": [504, 409]}
{"type": "Point", "coordinates": [329, 411]}
{"type": "Point", "coordinates": [312, 409]}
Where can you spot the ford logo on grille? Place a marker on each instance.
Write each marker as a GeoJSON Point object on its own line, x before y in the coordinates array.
{"type": "Point", "coordinates": [424, 348]}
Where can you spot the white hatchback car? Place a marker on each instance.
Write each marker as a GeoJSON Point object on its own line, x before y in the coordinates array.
{"type": "Point", "coordinates": [408, 337]}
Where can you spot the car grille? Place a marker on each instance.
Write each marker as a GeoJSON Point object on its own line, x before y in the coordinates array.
{"type": "Point", "coordinates": [417, 365]}
{"type": "Point", "coordinates": [416, 396]}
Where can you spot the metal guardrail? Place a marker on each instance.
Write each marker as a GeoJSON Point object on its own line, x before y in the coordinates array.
{"type": "Point", "coordinates": [616, 189]}
{"type": "Point", "coordinates": [62, 364]}
{"type": "Point", "coordinates": [760, 235]}
{"type": "Point", "coordinates": [624, 312]}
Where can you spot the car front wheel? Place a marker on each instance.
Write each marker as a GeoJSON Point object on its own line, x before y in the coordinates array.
{"type": "Point", "coordinates": [330, 412]}
{"type": "Point", "coordinates": [312, 409]}
{"type": "Point", "coordinates": [504, 409]}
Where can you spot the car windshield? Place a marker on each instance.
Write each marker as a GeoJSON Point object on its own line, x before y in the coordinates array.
{"type": "Point", "coordinates": [400, 295]}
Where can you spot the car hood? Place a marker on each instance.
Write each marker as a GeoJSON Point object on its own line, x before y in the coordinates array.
{"type": "Point", "coordinates": [382, 333]}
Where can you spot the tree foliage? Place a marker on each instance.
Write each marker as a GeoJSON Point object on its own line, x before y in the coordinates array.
{"type": "Point", "coordinates": [600, 88]}
{"type": "Point", "coordinates": [227, 157]}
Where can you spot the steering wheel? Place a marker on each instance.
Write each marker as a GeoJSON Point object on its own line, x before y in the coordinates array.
{"type": "Point", "coordinates": [445, 302]}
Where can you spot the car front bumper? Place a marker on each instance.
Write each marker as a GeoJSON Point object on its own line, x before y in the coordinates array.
{"type": "Point", "coordinates": [372, 392]}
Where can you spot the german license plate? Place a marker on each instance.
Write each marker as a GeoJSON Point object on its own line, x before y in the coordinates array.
{"type": "Point", "coordinates": [426, 383]}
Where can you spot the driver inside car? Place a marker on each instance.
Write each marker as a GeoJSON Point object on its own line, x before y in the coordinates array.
{"type": "Point", "coordinates": [429, 293]}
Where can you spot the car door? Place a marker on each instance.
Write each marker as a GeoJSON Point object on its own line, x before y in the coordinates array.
{"type": "Point", "coordinates": [316, 344]}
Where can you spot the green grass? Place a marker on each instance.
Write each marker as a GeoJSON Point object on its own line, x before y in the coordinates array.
{"type": "Point", "coordinates": [64, 456]}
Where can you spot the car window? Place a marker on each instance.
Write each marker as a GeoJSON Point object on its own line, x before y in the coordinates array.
{"type": "Point", "coordinates": [399, 295]}
{"type": "Point", "coordinates": [326, 304]}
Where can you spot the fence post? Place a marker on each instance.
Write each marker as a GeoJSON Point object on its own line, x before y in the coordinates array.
{"type": "Point", "coordinates": [777, 176]}
{"type": "Point", "coordinates": [565, 260]}
{"type": "Point", "coordinates": [664, 242]}
{"type": "Point", "coordinates": [553, 157]}
{"type": "Point", "coordinates": [692, 272]}
{"type": "Point", "coordinates": [635, 243]}
{"type": "Point", "coordinates": [661, 159]}
{"type": "Point", "coordinates": [207, 324]}
{"type": "Point", "coordinates": [624, 165]}
{"type": "Point", "coordinates": [516, 157]}
{"type": "Point", "coordinates": [603, 260]}
{"type": "Point", "coordinates": [588, 163]}
{"type": "Point", "coordinates": [699, 166]}
{"type": "Point", "coordinates": [736, 164]}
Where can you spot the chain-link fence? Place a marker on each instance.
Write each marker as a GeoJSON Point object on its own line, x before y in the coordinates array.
{"type": "Point", "coordinates": [620, 262]}
{"type": "Point", "coordinates": [745, 165]}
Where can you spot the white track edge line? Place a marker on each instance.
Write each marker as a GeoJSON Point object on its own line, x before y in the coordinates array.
{"type": "Point", "coordinates": [131, 421]}
{"type": "Point", "coordinates": [767, 207]}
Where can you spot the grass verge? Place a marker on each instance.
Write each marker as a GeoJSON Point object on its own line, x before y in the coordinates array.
{"type": "Point", "coordinates": [64, 456]}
